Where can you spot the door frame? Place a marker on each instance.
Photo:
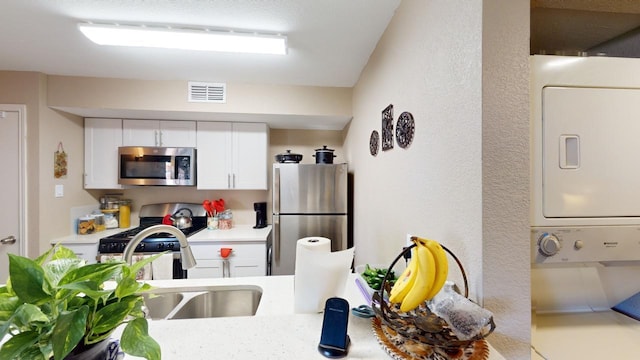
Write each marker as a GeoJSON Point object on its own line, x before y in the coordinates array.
{"type": "Point", "coordinates": [22, 173]}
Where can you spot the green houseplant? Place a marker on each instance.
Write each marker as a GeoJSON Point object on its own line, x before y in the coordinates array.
{"type": "Point", "coordinates": [57, 305]}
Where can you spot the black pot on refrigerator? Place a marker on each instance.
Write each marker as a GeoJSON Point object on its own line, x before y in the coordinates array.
{"type": "Point", "coordinates": [261, 214]}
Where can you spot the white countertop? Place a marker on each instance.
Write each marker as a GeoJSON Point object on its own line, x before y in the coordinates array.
{"type": "Point", "coordinates": [274, 333]}
{"type": "Point", "coordinates": [238, 233]}
{"type": "Point", "coordinates": [87, 239]}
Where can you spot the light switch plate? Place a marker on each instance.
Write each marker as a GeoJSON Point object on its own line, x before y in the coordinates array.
{"type": "Point", "coordinates": [59, 191]}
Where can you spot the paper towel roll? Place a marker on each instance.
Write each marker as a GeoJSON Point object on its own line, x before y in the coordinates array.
{"type": "Point", "coordinates": [319, 273]}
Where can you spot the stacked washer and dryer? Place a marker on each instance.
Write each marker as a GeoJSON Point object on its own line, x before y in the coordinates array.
{"type": "Point", "coordinates": [585, 206]}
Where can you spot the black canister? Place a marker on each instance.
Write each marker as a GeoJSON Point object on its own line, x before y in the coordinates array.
{"type": "Point", "coordinates": [324, 155]}
{"type": "Point", "coordinates": [261, 214]}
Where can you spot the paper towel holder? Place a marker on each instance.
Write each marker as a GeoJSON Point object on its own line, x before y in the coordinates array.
{"type": "Point", "coordinates": [334, 340]}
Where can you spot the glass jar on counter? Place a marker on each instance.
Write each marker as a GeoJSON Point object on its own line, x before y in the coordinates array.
{"type": "Point", "coordinates": [225, 220]}
{"type": "Point", "coordinates": [99, 222]}
{"type": "Point", "coordinates": [125, 213]}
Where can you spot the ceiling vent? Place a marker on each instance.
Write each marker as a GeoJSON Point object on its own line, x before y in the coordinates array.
{"type": "Point", "coordinates": [207, 92]}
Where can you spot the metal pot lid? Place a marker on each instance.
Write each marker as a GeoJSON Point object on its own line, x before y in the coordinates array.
{"type": "Point", "coordinates": [324, 149]}
{"type": "Point", "coordinates": [289, 153]}
{"type": "Point", "coordinates": [288, 157]}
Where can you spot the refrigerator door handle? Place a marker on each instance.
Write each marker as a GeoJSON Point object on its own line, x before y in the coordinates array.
{"type": "Point", "coordinates": [276, 238]}
{"type": "Point", "coordinates": [276, 190]}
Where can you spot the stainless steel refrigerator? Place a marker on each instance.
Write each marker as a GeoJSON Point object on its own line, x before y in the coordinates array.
{"type": "Point", "coordinates": [308, 200]}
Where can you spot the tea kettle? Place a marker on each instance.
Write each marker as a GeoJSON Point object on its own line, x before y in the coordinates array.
{"type": "Point", "coordinates": [180, 220]}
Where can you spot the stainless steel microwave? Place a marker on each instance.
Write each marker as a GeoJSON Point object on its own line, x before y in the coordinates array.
{"type": "Point", "coordinates": [161, 166]}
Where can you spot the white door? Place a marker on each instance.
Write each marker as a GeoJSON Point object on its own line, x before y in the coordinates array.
{"type": "Point", "coordinates": [12, 192]}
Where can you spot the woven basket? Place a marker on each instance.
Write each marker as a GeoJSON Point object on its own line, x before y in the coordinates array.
{"type": "Point", "coordinates": [421, 324]}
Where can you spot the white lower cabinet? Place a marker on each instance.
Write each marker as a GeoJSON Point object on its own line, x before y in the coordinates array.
{"type": "Point", "coordinates": [246, 259]}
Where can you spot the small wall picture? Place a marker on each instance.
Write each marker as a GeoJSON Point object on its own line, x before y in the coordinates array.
{"type": "Point", "coordinates": [387, 128]}
{"type": "Point", "coordinates": [60, 163]}
{"type": "Point", "coordinates": [405, 127]}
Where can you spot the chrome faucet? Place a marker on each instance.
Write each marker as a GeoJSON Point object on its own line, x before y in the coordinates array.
{"type": "Point", "coordinates": [187, 258]}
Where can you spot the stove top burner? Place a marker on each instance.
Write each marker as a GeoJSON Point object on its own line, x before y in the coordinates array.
{"type": "Point", "coordinates": [153, 215]}
{"type": "Point", "coordinates": [154, 243]}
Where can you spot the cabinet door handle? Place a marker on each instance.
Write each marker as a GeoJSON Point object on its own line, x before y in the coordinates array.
{"type": "Point", "coordinates": [234, 181]}
{"type": "Point", "coordinates": [8, 240]}
{"type": "Point", "coordinates": [228, 181]}
{"type": "Point", "coordinates": [160, 137]}
{"type": "Point", "coordinates": [156, 138]}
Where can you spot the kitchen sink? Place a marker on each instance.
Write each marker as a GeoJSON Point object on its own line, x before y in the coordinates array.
{"type": "Point", "coordinates": [202, 302]}
{"type": "Point", "coordinates": [161, 305]}
{"type": "Point", "coordinates": [221, 303]}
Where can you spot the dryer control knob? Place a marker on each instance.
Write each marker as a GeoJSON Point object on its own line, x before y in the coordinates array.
{"type": "Point", "coordinates": [548, 244]}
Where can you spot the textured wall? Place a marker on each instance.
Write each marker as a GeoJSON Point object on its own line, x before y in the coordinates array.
{"type": "Point", "coordinates": [505, 173]}
{"type": "Point", "coordinates": [427, 63]}
{"type": "Point", "coordinates": [464, 179]}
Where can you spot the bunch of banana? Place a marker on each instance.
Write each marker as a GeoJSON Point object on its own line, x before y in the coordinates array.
{"type": "Point", "coordinates": [424, 276]}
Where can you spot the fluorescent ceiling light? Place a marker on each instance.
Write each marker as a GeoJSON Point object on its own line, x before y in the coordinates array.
{"type": "Point", "coordinates": [186, 39]}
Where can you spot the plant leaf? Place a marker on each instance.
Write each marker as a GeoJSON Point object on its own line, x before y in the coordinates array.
{"type": "Point", "coordinates": [27, 279]}
{"type": "Point", "coordinates": [17, 344]}
{"type": "Point", "coordinates": [62, 252]}
{"type": "Point", "coordinates": [127, 286]}
{"type": "Point", "coordinates": [56, 269]}
{"type": "Point", "coordinates": [27, 314]}
{"type": "Point", "coordinates": [99, 272]}
{"type": "Point", "coordinates": [8, 304]}
{"type": "Point", "coordinates": [88, 287]}
{"type": "Point", "coordinates": [40, 260]}
{"type": "Point", "coordinates": [34, 353]}
{"type": "Point", "coordinates": [68, 331]}
{"type": "Point", "coordinates": [137, 342]}
{"type": "Point", "coordinates": [112, 315]}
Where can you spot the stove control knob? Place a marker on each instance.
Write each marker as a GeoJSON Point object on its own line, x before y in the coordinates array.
{"type": "Point", "coordinates": [160, 246]}
{"type": "Point", "coordinates": [141, 246]}
{"type": "Point", "coordinates": [170, 246]}
{"type": "Point", "coordinates": [549, 244]}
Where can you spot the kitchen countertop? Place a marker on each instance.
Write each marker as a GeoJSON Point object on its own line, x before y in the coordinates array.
{"type": "Point", "coordinates": [274, 333]}
{"type": "Point", "coordinates": [87, 239]}
{"type": "Point", "coordinates": [237, 233]}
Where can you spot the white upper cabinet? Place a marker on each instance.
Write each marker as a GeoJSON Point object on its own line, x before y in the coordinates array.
{"type": "Point", "coordinates": [165, 133]}
{"type": "Point", "coordinates": [232, 155]}
{"type": "Point", "coordinates": [102, 137]}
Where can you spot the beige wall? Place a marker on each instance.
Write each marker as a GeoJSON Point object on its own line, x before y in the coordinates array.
{"type": "Point", "coordinates": [505, 172]}
{"type": "Point", "coordinates": [451, 184]}
{"type": "Point", "coordinates": [299, 106]}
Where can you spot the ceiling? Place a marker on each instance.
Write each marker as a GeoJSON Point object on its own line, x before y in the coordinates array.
{"type": "Point", "coordinates": [571, 27]}
{"type": "Point", "coordinates": [329, 41]}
